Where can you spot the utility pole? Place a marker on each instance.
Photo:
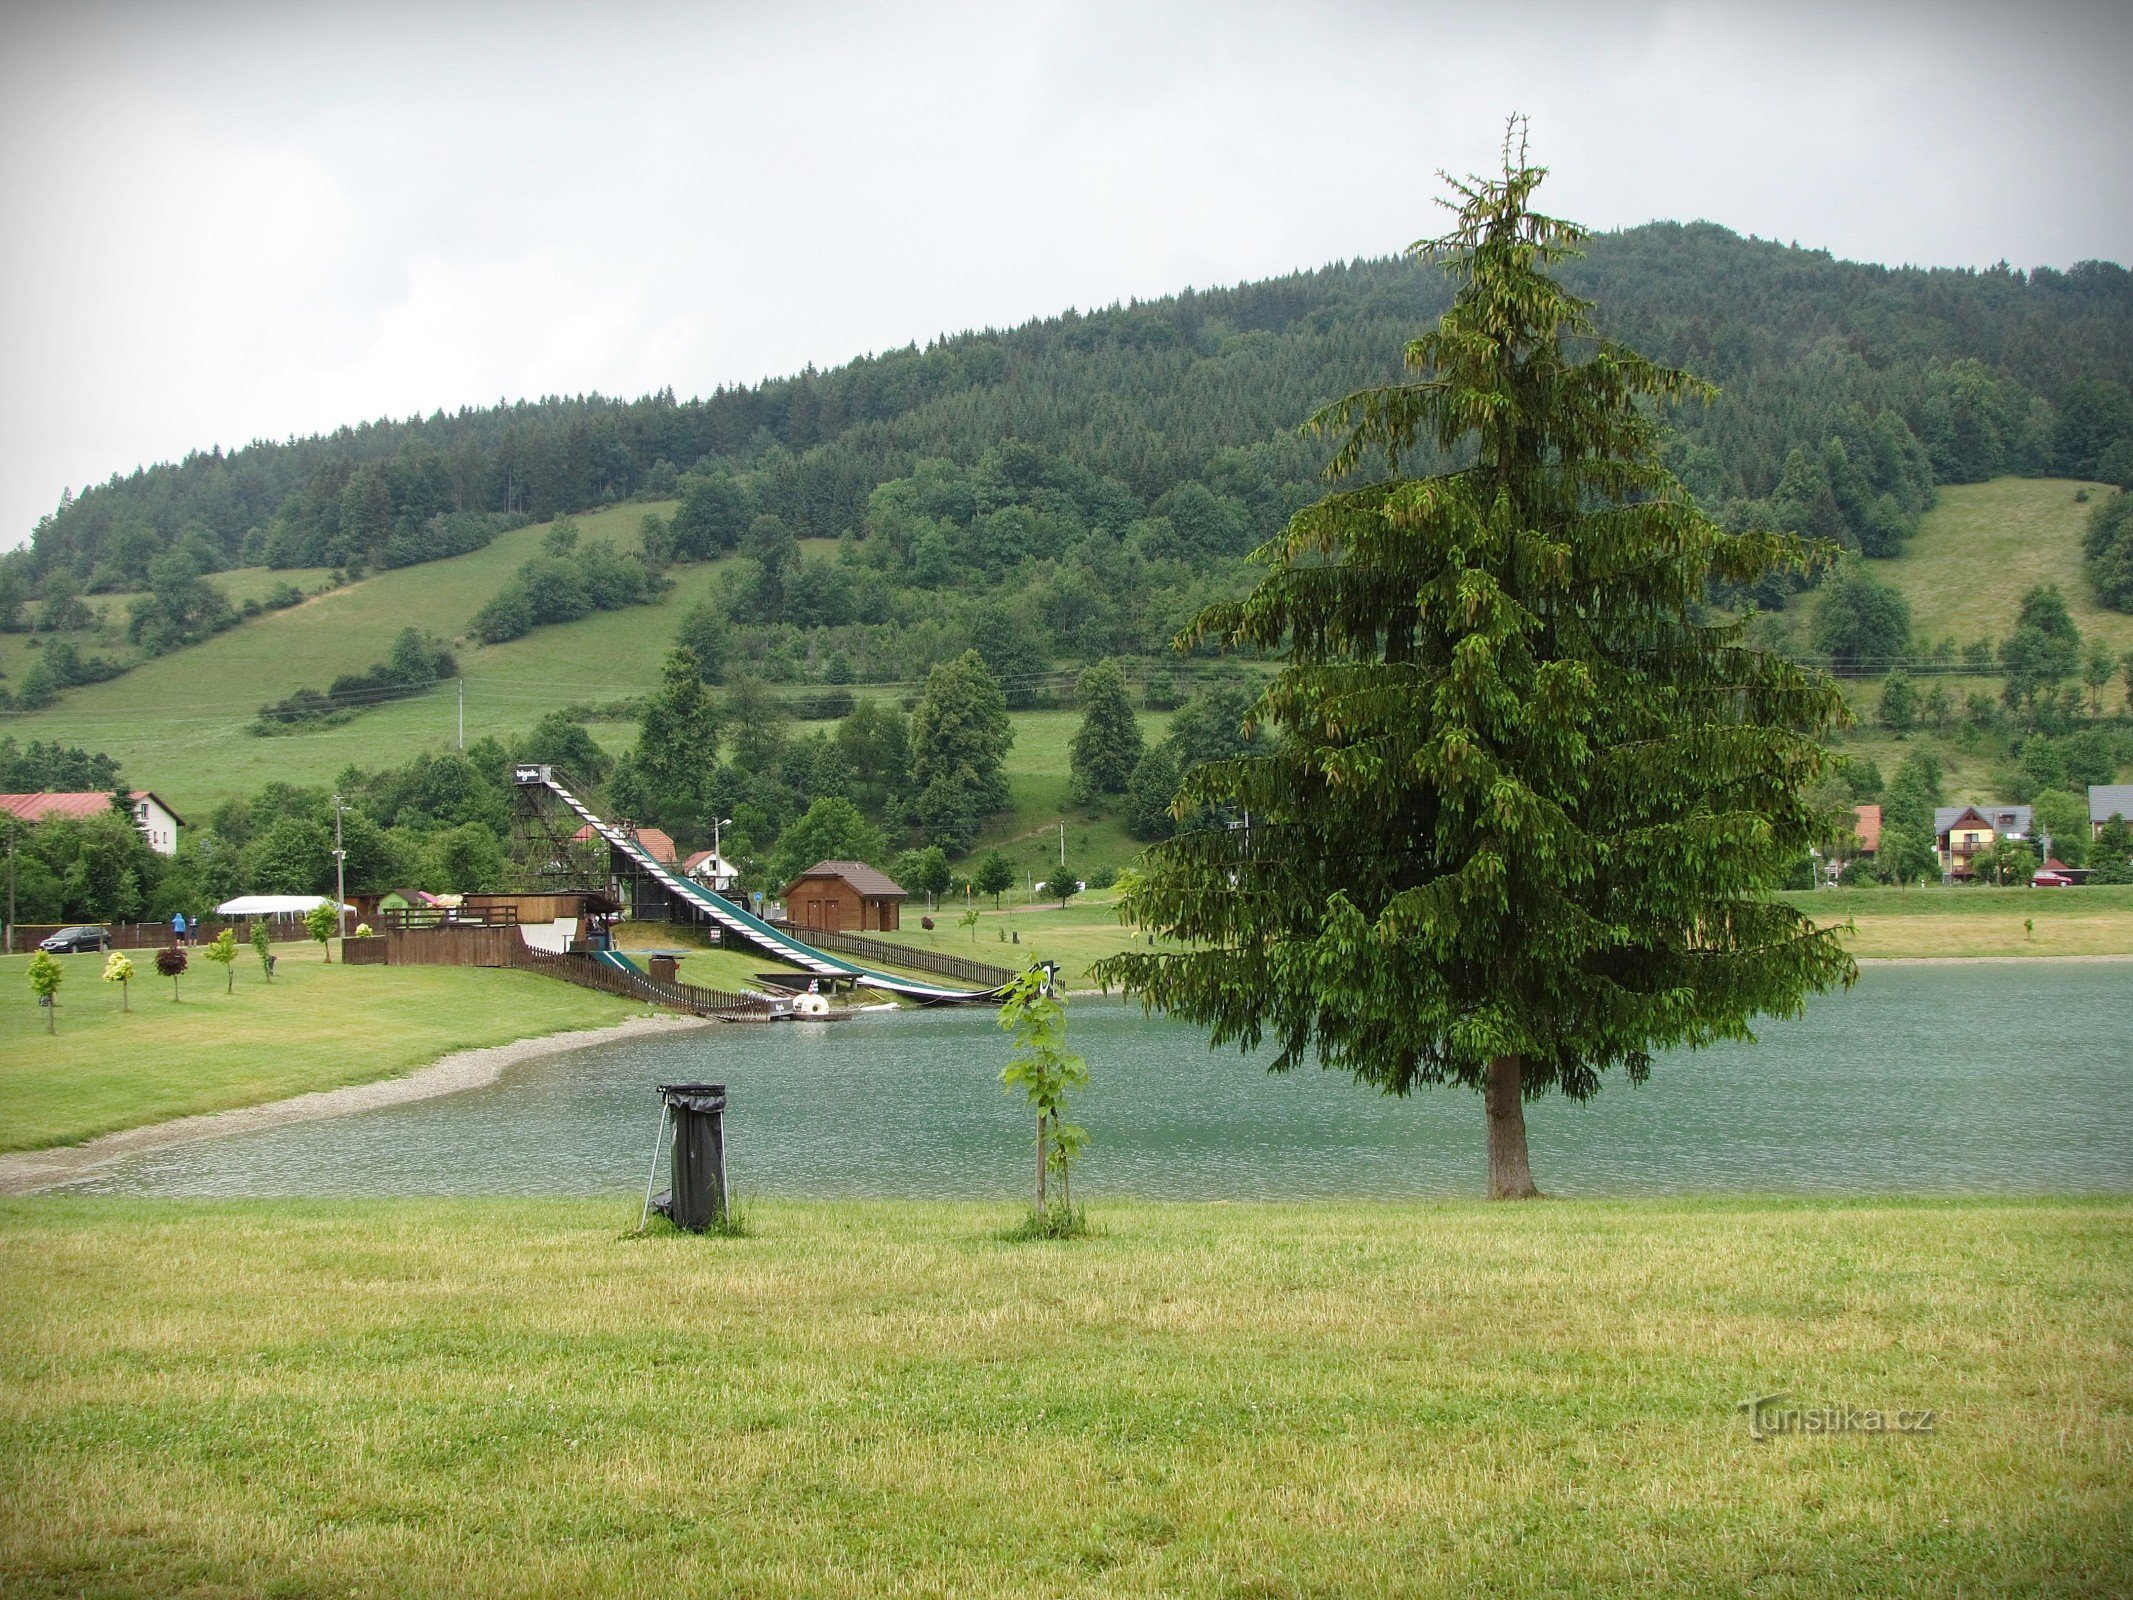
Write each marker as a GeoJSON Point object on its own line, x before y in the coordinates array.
{"type": "Point", "coordinates": [1062, 841]}
{"type": "Point", "coordinates": [11, 886]}
{"type": "Point", "coordinates": [462, 683]}
{"type": "Point", "coordinates": [718, 855]}
{"type": "Point", "coordinates": [340, 872]}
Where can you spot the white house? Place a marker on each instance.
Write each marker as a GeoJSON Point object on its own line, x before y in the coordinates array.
{"type": "Point", "coordinates": [712, 870]}
{"type": "Point", "coordinates": [159, 824]}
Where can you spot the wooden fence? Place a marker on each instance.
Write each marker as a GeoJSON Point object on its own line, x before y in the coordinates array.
{"type": "Point", "coordinates": [470, 945]}
{"type": "Point", "coordinates": [590, 973]}
{"type": "Point", "coordinates": [155, 935]}
{"type": "Point", "coordinates": [450, 946]}
{"type": "Point", "coordinates": [978, 974]}
{"type": "Point", "coordinates": [410, 917]}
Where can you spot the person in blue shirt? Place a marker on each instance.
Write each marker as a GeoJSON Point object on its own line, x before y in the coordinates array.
{"type": "Point", "coordinates": [177, 927]}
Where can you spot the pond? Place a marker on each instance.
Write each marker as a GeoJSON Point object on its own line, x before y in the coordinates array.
{"type": "Point", "coordinates": [2011, 1078]}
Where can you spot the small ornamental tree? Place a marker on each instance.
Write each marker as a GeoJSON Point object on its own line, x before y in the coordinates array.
{"type": "Point", "coordinates": [262, 943]}
{"type": "Point", "coordinates": [1062, 886]}
{"type": "Point", "coordinates": [322, 919]}
{"type": "Point", "coordinates": [223, 952]}
{"type": "Point", "coordinates": [1529, 797]}
{"type": "Point", "coordinates": [969, 919]}
{"type": "Point", "coordinates": [119, 970]}
{"type": "Point", "coordinates": [1042, 1067]}
{"type": "Point", "coordinates": [46, 975]}
{"type": "Point", "coordinates": [170, 961]}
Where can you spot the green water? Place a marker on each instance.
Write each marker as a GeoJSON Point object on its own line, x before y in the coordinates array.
{"type": "Point", "coordinates": [2009, 1078]}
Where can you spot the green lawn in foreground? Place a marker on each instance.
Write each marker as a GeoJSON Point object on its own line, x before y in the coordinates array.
{"type": "Point", "coordinates": [313, 1027]}
{"type": "Point", "coordinates": [511, 1398]}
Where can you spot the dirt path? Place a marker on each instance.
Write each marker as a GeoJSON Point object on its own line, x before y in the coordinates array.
{"type": "Point", "coordinates": [28, 1171]}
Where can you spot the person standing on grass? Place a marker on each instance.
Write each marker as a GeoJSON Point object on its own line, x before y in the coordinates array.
{"type": "Point", "coordinates": [177, 927]}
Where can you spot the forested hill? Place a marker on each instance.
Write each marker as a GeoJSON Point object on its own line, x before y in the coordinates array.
{"type": "Point", "coordinates": [1848, 389]}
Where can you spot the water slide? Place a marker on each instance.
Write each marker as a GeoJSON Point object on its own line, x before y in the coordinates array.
{"type": "Point", "coordinates": [733, 919]}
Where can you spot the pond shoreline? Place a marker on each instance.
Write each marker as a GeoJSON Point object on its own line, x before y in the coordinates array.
{"type": "Point", "coordinates": [25, 1172]}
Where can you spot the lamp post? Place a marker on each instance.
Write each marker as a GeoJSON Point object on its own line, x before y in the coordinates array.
{"type": "Point", "coordinates": [718, 855]}
{"type": "Point", "coordinates": [340, 871]}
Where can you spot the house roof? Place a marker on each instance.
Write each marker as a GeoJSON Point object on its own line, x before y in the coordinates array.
{"type": "Point", "coordinates": [1867, 824]}
{"type": "Point", "coordinates": [655, 840]}
{"type": "Point", "coordinates": [720, 866]}
{"type": "Point", "coordinates": [659, 843]}
{"type": "Point", "coordinates": [46, 804]}
{"type": "Point", "coordinates": [856, 873]}
{"type": "Point", "coordinates": [2012, 821]}
{"type": "Point", "coordinates": [2108, 800]}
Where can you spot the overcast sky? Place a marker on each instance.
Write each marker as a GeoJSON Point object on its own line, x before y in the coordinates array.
{"type": "Point", "coordinates": [224, 222]}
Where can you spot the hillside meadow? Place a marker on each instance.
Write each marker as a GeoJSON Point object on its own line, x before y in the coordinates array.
{"type": "Point", "coordinates": [1984, 545]}
{"type": "Point", "coordinates": [177, 724]}
{"type": "Point", "coordinates": [510, 1398]}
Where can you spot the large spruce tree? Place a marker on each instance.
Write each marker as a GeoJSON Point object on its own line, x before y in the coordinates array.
{"type": "Point", "coordinates": [1527, 805]}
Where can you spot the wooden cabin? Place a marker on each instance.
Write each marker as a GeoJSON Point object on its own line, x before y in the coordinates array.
{"type": "Point", "coordinates": [844, 897]}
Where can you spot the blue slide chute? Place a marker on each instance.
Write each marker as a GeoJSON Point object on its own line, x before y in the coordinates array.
{"type": "Point", "coordinates": [732, 918]}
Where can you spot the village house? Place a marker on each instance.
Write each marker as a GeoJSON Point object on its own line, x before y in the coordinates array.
{"type": "Point", "coordinates": [1866, 824]}
{"type": "Point", "coordinates": [1960, 832]}
{"type": "Point", "coordinates": [159, 824]}
{"type": "Point", "coordinates": [712, 870]}
{"type": "Point", "coordinates": [655, 842]}
{"type": "Point", "coordinates": [844, 897]}
{"type": "Point", "coordinates": [2108, 800]}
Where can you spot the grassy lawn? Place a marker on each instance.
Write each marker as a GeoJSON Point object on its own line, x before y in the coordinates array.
{"type": "Point", "coordinates": [1038, 772]}
{"type": "Point", "coordinates": [1980, 921]}
{"type": "Point", "coordinates": [509, 1398]}
{"type": "Point", "coordinates": [1889, 922]}
{"type": "Point", "coordinates": [314, 1027]}
{"type": "Point", "coordinates": [1027, 931]}
{"type": "Point", "coordinates": [1984, 545]}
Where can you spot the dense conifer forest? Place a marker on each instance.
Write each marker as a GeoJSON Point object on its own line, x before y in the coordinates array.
{"type": "Point", "coordinates": [1849, 388]}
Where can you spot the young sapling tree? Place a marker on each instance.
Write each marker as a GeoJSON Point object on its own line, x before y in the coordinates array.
{"type": "Point", "coordinates": [171, 962]}
{"type": "Point", "coordinates": [46, 975]}
{"type": "Point", "coordinates": [322, 919]}
{"type": "Point", "coordinates": [262, 946]}
{"type": "Point", "coordinates": [223, 952]}
{"type": "Point", "coordinates": [1042, 1067]}
{"type": "Point", "coordinates": [119, 970]}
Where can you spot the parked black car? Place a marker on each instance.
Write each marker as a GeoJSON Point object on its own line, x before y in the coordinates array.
{"type": "Point", "coordinates": [68, 940]}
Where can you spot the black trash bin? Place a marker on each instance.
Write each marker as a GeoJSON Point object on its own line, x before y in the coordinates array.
{"type": "Point", "coordinates": [697, 1199]}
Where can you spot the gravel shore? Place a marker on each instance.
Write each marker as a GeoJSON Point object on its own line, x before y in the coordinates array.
{"type": "Point", "coordinates": [28, 1171]}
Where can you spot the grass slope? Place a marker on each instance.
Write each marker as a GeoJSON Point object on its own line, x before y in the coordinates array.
{"type": "Point", "coordinates": [177, 724]}
{"type": "Point", "coordinates": [314, 1027]}
{"type": "Point", "coordinates": [509, 1398]}
{"type": "Point", "coordinates": [1984, 545]}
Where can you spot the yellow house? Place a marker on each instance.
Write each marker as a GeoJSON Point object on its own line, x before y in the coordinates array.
{"type": "Point", "coordinates": [1960, 832]}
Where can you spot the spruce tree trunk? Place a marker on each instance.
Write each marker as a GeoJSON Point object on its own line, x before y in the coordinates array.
{"type": "Point", "coordinates": [1510, 1176]}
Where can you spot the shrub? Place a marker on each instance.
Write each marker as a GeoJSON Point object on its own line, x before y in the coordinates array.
{"type": "Point", "coordinates": [171, 963]}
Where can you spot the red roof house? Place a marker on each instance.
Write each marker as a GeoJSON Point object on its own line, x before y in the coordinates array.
{"type": "Point", "coordinates": [655, 842]}
{"type": "Point", "coordinates": [1866, 822]}
{"type": "Point", "coordinates": [159, 824]}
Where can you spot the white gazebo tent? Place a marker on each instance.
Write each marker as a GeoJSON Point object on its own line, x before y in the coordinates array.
{"type": "Point", "coordinates": [283, 907]}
